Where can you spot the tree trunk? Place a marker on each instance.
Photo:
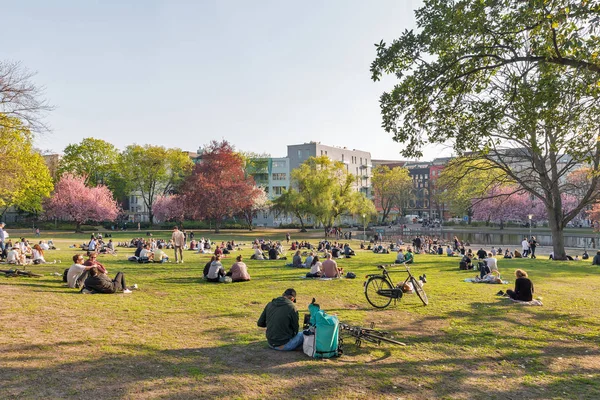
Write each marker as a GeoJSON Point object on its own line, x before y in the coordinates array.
{"type": "Point", "coordinates": [501, 224]}
{"type": "Point", "coordinates": [217, 226]}
{"type": "Point", "coordinates": [151, 218]}
{"type": "Point", "coordinates": [558, 237]}
{"type": "Point", "coordinates": [78, 227]}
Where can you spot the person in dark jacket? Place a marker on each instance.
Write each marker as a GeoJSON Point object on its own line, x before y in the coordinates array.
{"type": "Point", "coordinates": [273, 253]}
{"type": "Point", "coordinates": [280, 317]}
{"type": "Point", "coordinates": [596, 259]}
{"type": "Point", "coordinates": [100, 283]}
{"type": "Point", "coordinates": [523, 287]}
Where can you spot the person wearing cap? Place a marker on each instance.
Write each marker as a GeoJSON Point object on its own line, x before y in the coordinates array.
{"type": "Point", "coordinates": [280, 317]}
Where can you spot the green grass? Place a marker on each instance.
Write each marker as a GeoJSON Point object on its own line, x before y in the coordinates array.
{"type": "Point", "coordinates": [180, 337]}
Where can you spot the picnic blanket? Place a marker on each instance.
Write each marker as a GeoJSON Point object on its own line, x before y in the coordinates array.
{"type": "Point", "coordinates": [473, 280]}
{"type": "Point", "coordinates": [527, 303]}
{"type": "Point", "coordinates": [319, 279]}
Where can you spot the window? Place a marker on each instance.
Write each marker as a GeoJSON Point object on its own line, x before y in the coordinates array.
{"type": "Point", "coordinates": [321, 152]}
{"type": "Point", "coordinates": [277, 190]}
{"type": "Point", "coordinates": [342, 157]}
{"type": "Point", "coordinates": [325, 152]}
{"type": "Point", "coordinates": [300, 154]}
{"type": "Point", "coordinates": [265, 214]}
{"type": "Point", "coordinates": [279, 164]}
{"type": "Point", "coordinates": [282, 176]}
{"type": "Point", "coordinates": [361, 161]}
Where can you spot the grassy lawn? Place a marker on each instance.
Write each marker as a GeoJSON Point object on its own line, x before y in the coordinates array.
{"type": "Point", "coordinates": [180, 337]}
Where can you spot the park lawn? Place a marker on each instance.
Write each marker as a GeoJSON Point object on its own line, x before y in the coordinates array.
{"type": "Point", "coordinates": [180, 337]}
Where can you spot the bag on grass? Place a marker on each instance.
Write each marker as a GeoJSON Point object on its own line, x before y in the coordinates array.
{"type": "Point", "coordinates": [322, 338]}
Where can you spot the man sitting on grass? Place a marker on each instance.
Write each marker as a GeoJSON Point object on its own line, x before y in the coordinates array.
{"type": "Point", "coordinates": [78, 272]}
{"type": "Point", "coordinates": [280, 317]}
{"type": "Point", "coordinates": [330, 268]}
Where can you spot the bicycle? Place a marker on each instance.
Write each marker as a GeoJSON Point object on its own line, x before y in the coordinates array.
{"type": "Point", "coordinates": [18, 272]}
{"type": "Point", "coordinates": [380, 289]}
{"type": "Point", "coordinates": [367, 334]}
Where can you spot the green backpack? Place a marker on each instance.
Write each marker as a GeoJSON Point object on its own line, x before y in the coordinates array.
{"type": "Point", "coordinates": [321, 339]}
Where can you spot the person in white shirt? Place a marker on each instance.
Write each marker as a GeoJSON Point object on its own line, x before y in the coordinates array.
{"type": "Point", "coordinates": [92, 244]}
{"type": "Point", "coordinates": [13, 256]}
{"type": "Point", "coordinates": [75, 275]}
{"type": "Point", "coordinates": [146, 253]}
{"type": "Point", "coordinates": [44, 245]}
{"type": "Point", "coordinates": [309, 259]}
{"type": "Point", "coordinates": [315, 268]}
{"type": "Point", "coordinates": [525, 247]}
{"type": "Point", "coordinates": [492, 263]}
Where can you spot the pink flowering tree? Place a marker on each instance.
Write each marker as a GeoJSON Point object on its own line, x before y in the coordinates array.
{"type": "Point", "coordinates": [257, 201]}
{"type": "Point", "coordinates": [504, 203]}
{"type": "Point", "coordinates": [74, 201]}
{"type": "Point", "coordinates": [169, 208]}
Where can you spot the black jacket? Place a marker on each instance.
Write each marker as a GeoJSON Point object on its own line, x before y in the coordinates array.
{"type": "Point", "coordinates": [524, 289]}
{"type": "Point", "coordinates": [100, 283]}
{"type": "Point", "coordinates": [280, 317]}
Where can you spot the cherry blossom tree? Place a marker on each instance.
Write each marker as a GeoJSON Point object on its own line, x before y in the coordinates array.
{"type": "Point", "coordinates": [74, 201]}
{"type": "Point", "coordinates": [258, 201]}
{"type": "Point", "coordinates": [170, 208]}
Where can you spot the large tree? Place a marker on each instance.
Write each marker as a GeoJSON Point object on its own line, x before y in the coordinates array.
{"type": "Point", "coordinates": [95, 159]}
{"type": "Point", "coordinates": [326, 187]}
{"type": "Point", "coordinates": [74, 201]}
{"type": "Point", "coordinates": [513, 82]}
{"type": "Point", "coordinates": [292, 202]}
{"type": "Point", "coordinates": [258, 201]}
{"type": "Point", "coordinates": [153, 171]}
{"type": "Point", "coordinates": [170, 208]}
{"type": "Point", "coordinates": [26, 180]}
{"type": "Point", "coordinates": [218, 187]}
{"type": "Point", "coordinates": [393, 188]}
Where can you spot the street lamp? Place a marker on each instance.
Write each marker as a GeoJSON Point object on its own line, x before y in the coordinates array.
{"type": "Point", "coordinates": [364, 227]}
{"type": "Point", "coordinates": [530, 216]}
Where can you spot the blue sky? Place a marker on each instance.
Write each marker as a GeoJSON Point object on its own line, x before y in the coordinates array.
{"type": "Point", "coordinates": [261, 74]}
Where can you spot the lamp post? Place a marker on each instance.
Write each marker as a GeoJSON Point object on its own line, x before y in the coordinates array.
{"type": "Point", "coordinates": [364, 226]}
{"type": "Point", "coordinates": [530, 216]}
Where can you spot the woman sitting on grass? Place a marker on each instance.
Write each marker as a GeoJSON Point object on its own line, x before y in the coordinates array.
{"type": "Point", "coordinates": [400, 256]}
{"type": "Point", "coordinates": [239, 271]}
{"type": "Point", "coordinates": [315, 268]}
{"type": "Point", "coordinates": [216, 271]}
{"type": "Point", "coordinates": [523, 287]}
{"type": "Point", "coordinates": [97, 282]}
{"type": "Point", "coordinates": [38, 255]}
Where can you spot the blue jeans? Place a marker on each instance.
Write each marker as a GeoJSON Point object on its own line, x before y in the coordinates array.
{"type": "Point", "coordinates": [294, 343]}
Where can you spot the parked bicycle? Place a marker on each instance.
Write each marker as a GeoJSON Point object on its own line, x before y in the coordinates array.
{"type": "Point", "coordinates": [380, 289]}
{"type": "Point", "coordinates": [368, 335]}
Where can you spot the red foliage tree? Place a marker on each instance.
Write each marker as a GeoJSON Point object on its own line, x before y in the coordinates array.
{"type": "Point", "coordinates": [73, 201]}
{"type": "Point", "coordinates": [218, 188]}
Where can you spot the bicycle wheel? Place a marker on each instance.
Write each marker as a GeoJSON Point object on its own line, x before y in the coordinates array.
{"type": "Point", "coordinates": [419, 290]}
{"type": "Point", "coordinates": [388, 340]}
{"type": "Point", "coordinates": [372, 288]}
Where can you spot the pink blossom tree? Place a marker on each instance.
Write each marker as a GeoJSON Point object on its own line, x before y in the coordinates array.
{"type": "Point", "coordinates": [169, 208]}
{"type": "Point", "coordinates": [257, 201]}
{"type": "Point", "coordinates": [73, 201]}
{"type": "Point", "coordinates": [504, 203]}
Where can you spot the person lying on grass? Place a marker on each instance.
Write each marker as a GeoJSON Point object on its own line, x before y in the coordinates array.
{"type": "Point", "coordinates": [280, 317]}
{"type": "Point", "coordinates": [97, 282]}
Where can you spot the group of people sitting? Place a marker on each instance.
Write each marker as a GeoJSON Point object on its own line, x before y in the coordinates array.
{"type": "Point", "coordinates": [23, 253]}
{"type": "Point", "coordinates": [268, 251]}
{"type": "Point", "coordinates": [405, 258]}
{"type": "Point", "coordinates": [318, 269]}
{"type": "Point", "coordinates": [214, 271]}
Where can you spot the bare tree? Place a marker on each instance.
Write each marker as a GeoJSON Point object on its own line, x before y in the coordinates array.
{"type": "Point", "coordinates": [20, 98]}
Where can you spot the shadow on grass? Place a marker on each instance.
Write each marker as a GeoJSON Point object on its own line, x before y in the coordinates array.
{"type": "Point", "coordinates": [253, 370]}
